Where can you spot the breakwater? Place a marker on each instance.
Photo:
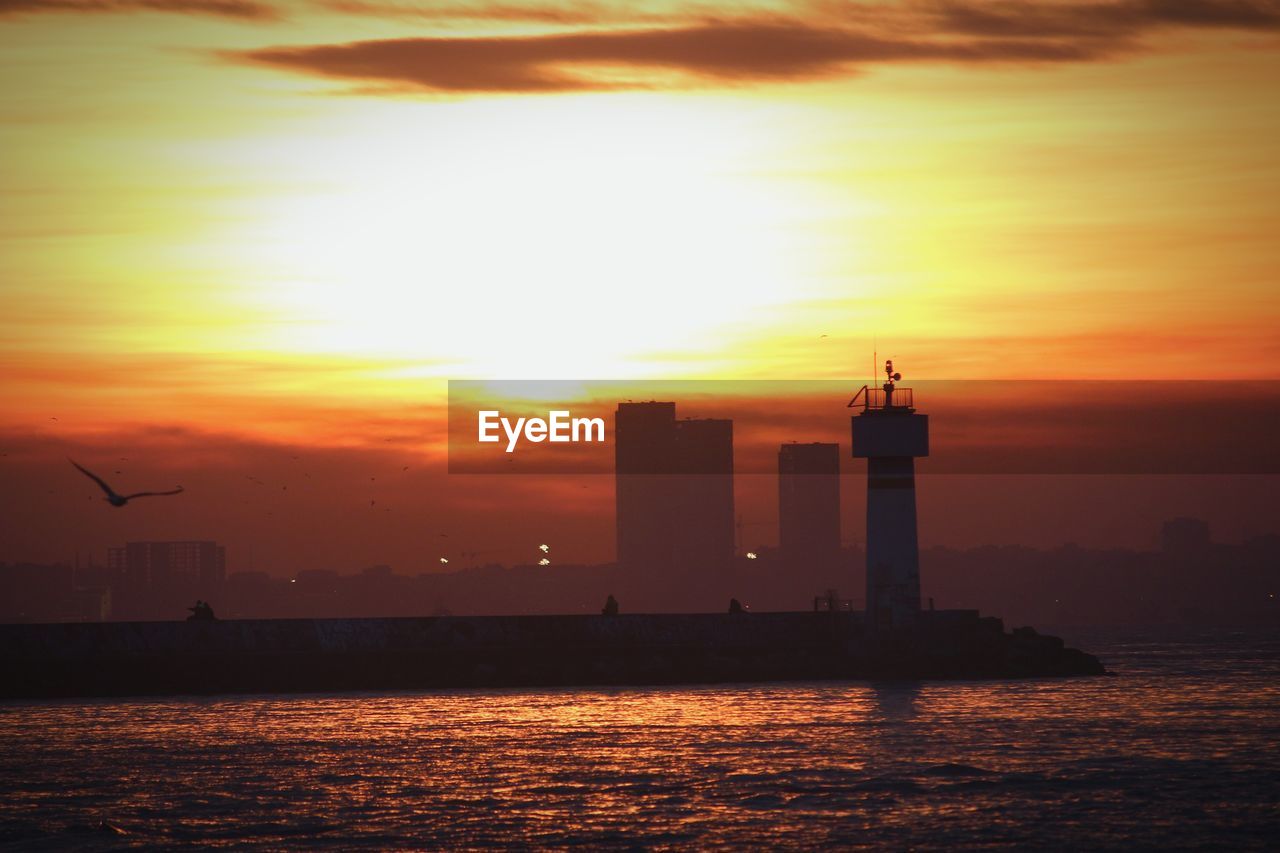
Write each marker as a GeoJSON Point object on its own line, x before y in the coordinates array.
{"type": "Point", "coordinates": [314, 655]}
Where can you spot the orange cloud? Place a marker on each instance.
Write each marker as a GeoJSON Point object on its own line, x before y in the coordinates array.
{"type": "Point", "coordinates": [1107, 20]}
{"type": "Point", "coordinates": [725, 53]}
{"type": "Point", "coordinates": [245, 9]}
{"type": "Point", "coordinates": [547, 13]}
{"type": "Point", "coordinates": [1012, 18]}
{"type": "Point", "coordinates": [830, 41]}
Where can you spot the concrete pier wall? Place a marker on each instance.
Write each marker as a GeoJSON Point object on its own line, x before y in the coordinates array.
{"type": "Point", "coordinates": [284, 655]}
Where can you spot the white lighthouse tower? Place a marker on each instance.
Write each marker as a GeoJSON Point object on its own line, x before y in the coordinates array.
{"type": "Point", "coordinates": [890, 435]}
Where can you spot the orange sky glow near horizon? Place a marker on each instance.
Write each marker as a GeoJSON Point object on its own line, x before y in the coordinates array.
{"type": "Point", "coordinates": [290, 223]}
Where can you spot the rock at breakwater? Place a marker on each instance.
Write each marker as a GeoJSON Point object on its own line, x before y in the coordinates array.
{"type": "Point", "coordinates": [287, 655]}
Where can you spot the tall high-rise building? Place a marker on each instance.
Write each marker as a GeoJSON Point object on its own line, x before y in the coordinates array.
{"type": "Point", "coordinates": [150, 565]}
{"type": "Point", "coordinates": [644, 458]}
{"type": "Point", "coordinates": [674, 486]}
{"type": "Point", "coordinates": [703, 530]}
{"type": "Point", "coordinates": [809, 505]}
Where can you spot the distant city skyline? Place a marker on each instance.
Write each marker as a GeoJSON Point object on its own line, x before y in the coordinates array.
{"type": "Point", "coordinates": [1184, 577]}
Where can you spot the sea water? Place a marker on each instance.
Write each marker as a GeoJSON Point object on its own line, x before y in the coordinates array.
{"type": "Point", "coordinates": [1178, 750]}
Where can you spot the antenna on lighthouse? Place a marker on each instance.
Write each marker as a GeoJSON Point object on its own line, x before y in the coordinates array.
{"type": "Point", "coordinates": [888, 371]}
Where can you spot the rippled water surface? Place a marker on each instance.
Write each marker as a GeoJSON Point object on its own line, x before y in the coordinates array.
{"type": "Point", "coordinates": [1178, 750]}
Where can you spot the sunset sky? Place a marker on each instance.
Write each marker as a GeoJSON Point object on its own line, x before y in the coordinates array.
{"type": "Point", "coordinates": [231, 229]}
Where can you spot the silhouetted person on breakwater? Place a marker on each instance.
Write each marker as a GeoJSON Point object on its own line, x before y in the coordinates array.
{"type": "Point", "coordinates": [610, 606]}
{"type": "Point", "coordinates": [200, 612]}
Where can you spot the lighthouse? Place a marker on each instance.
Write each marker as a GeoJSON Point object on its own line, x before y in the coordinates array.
{"type": "Point", "coordinates": [890, 435]}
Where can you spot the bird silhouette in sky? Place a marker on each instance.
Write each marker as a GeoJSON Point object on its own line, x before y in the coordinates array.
{"type": "Point", "coordinates": [113, 497]}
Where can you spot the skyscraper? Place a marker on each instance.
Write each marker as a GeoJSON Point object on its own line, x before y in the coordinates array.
{"type": "Point", "coordinates": [809, 505]}
{"type": "Point", "coordinates": [674, 486]}
{"type": "Point", "coordinates": [151, 565]}
{"type": "Point", "coordinates": [703, 530]}
{"type": "Point", "coordinates": [644, 457]}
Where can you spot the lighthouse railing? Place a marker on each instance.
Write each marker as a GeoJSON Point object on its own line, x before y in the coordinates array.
{"type": "Point", "coordinates": [876, 398]}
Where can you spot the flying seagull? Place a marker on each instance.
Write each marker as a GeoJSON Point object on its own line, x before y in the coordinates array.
{"type": "Point", "coordinates": [112, 497]}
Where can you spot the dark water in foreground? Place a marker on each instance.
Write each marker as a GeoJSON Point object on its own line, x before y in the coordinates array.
{"type": "Point", "coordinates": [1180, 750]}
